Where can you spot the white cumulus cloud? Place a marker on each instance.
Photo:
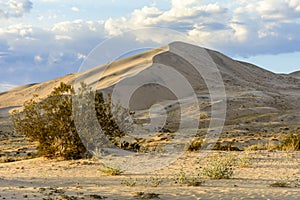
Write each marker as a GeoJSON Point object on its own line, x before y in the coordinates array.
{"type": "Point", "coordinates": [75, 9]}
{"type": "Point", "coordinates": [242, 28]}
{"type": "Point", "coordinates": [14, 8]}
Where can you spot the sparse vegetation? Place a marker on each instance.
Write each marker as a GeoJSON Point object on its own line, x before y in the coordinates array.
{"type": "Point", "coordinates": [129, 182]}
{"type": "Point", "coordinates": [111, 171]}
{"type": "Point", "coordinates": [225, 147]}
{"type": "Point", "coordinates": [6, 159]}
{"type": "Point", "coordinates": [195, 145]}
{"type": "Point", "coordinates": [293, 181]}
{"type": "Point", "coordinates": [263, 147]}
{"type": "Point", "coordinates": [143, 195]}
{"type": "Point", "coordinates": [219, 166]}
{"type": "Point", "coordinates": [154, 181]}
{"type": "Point", "coordinates": [291, 142]}
{"type": "Point", "coordinates": [180, 178]}
{"type": "Point", "coordinates": [243, 160]}
{"type": "Point", "coordinates": [280, 184]}
{"type": "Point", "coordinates": [255, 147]}
{"type": "Point", "coordinates": [183, 179]}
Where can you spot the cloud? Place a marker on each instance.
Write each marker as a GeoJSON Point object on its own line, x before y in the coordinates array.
{"type": "Point", "coordinates": [75, 9]}
{"type": "Point", "coordinates": [6, 86]}
{"type": "Point", "coordinates": [243, 28]}
{"type": "Point", "coordinates": [14, 8]}
{"type": "Point", "coordinates": [33, 54]}
{"type": "Point", "coordinates": [38, 58]}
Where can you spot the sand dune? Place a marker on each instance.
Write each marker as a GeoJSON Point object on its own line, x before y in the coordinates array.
{"type": "Point", "coordinates": [257, 99]}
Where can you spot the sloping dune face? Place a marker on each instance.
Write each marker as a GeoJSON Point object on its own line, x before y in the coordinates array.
{"type": "Point", "coordinates": [101, 77]}
{"type": "Point", "coordinates": [17, 96]}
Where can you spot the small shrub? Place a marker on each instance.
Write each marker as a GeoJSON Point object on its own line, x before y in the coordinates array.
{"type": "Point", "coordinates": [287, 182]}
{"type": "Point", "coordinates": [154, 181]}
{"type": "Point", "coordinates": [96, 196]}
{"type": "Point", "coordinates": [110, 171]}
{"type": "Point", "coordinates": [243, 161]}
{"type": "Point", "coordinates": [143, 195]}
{"type": "Point", "coordinates": [195, 182]}
{"type": "Point", "coordinates": [219, 166]}
{"type": "Point", "coordinates": [225, 147]}
{"type": "Point", "coordinates": [183, 179]}
{"type": "Point", "coordinates": [296, 183]}
{"type": "Point", "coordinates": [195, 145]}
{"type": "Point", "coordinates": [291, 142]}
{"type": "Point", "coordinates": [180, 178]}
{"type": "Point", "coordinates": [280, 184]}
{"type": "Point", "coordinates": [130, 182]}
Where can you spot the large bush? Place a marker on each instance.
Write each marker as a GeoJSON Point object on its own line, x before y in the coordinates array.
{"type": "Point", "coordinates": [51, 121]}
{"type": "Point", "coordinates": [101, 122]}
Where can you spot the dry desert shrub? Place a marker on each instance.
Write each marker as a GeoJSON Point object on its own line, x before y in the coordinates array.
{"type": "Point", "coordinates": [182, 178]}
{"type": "Point", "coordinates": [291, 142]}
{"type": "Point", "coordinates": [243, 160]}
{"type": "Point", "coordinates": [111, 171]}
{"type": "Point", "coordinates": [195, 145]}
{"type": "Point", "coordinates": [219, 166]}
{"type": "Point", "coordinates": [129, 182]}
{"type": "Point", "coordinates": [51, 121]}
{"type": "Point", "coordinates": [154, 181]}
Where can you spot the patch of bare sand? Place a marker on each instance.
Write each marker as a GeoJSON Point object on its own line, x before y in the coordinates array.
{"type": "Point", "coordinates": [41, 178]}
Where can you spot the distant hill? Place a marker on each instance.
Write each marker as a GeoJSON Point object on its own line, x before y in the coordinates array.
{"type": "Point", "coordinates": [295, 74]}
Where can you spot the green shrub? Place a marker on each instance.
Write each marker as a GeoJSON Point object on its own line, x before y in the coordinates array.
{"type": "Point", "coordinates": [291, 142]}
{"type": "Point", "coordinates": [195, 145]}
{"type": "Point", "coordinates": [129, 182]}
{"type": "Point", "coordinates": [90, 107]}
{"type": "Point", "coordinates": [110, 171]}
{"type": "Point", "coordinates": [51, 121]}
{"type": "Point", "coordinates": [182, 178]}
{"type": "Point", "coordinates": [219, 166]}
{"type": "Point", "coordinates": [154, 181]}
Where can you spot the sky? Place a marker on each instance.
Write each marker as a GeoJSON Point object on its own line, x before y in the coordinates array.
{"type": "Point", "coordinates": [44, 39]}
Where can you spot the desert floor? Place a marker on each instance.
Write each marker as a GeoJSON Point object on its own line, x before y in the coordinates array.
{"type": "Point", "coordinates": [40, 178]}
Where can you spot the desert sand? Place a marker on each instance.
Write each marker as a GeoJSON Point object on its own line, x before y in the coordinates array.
{"type": "Point", "coordinates": [40, 178]}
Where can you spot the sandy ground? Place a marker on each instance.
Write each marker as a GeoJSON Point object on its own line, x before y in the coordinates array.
{"type": "Point", "coordinates": [40, 178]}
